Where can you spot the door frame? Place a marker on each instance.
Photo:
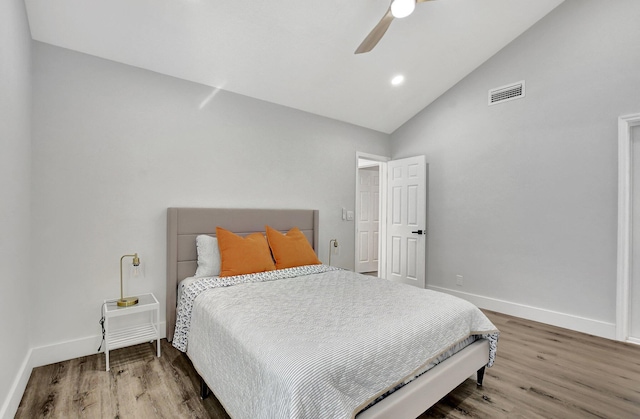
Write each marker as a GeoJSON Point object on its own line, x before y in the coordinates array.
{"type": "Point", "coordinates": [625, 170]}
{"type": "Point", "coordinates": [382, 245]}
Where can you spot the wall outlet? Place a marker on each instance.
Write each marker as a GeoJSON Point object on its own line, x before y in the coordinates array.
{"type": "Point", "coordinates": [349, 215]}
{"type": "Point", "coordinates": [459, 280]}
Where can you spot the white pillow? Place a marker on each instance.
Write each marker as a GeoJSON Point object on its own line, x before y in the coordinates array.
{"type": "Point", "coordinates": [208, 256]}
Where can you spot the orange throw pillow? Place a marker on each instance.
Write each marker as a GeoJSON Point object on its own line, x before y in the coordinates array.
{"type": "Point", "coordinates": [292, 249]}
{"type": "Point", "coordinates": [240, 256]}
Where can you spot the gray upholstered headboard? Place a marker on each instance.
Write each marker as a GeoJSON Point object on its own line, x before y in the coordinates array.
{"type": "Point", "coordinates": [184, 224]}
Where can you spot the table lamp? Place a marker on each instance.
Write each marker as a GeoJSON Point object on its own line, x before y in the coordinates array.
{"type": "Point", "coordinates": [135, 270]}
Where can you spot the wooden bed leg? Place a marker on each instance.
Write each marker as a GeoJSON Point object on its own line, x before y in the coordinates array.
{"type": "Point", "coordinates": [204, 389]}
{"type": "Point", "coordinates": [480, 376]}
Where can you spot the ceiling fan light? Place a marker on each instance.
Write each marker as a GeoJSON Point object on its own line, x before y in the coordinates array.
{"type": "Point", "coordinates": [402, 8]}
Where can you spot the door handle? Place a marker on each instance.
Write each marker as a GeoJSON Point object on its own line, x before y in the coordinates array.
{"type": "Point", "coordinates": [418, 232]}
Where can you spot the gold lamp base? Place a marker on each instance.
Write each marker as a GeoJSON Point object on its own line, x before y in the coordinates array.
{"type": "Point", "coordinates": [127, 301]}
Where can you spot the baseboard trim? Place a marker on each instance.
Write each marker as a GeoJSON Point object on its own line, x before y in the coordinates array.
{"type": "Point", "coordinates": [50, 354]}
{"type": "Point", "coordinates": [63, 351]}
{"type": "Point", "coordinates": [555, 318]}
{"type": "Point", "coordinates": [633, 340]}
{"type": "Point", "coordinates": [11, 403]}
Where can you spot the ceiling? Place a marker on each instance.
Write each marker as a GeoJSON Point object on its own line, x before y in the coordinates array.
{"type": "Point", "coordinates": [296, 53]}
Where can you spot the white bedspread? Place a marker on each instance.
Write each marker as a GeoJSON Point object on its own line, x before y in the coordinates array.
{"type": "Point", "coordinates": [321, 345]}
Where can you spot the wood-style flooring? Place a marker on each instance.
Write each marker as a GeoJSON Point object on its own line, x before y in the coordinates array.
{"type": "Point", "coordinates": [541, 372]}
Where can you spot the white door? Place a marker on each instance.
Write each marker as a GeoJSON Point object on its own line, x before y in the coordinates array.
{"type": "Point", "coordinates": [368, 219]}
{"type": "Point", "coordinates": [406, 220]}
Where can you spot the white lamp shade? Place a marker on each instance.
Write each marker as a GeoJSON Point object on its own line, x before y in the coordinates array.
{"type": "Point", "coordinates": [402, 8]}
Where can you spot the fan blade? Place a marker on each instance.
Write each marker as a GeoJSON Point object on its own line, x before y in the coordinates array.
{"type": "Point", "coordinates": [376, 34]}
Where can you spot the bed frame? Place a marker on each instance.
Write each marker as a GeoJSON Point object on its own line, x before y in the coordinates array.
{"type": "Point", "coordinates": [184, 224]}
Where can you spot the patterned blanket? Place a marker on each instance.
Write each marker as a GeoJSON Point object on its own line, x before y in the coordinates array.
{"type": "Point", "coordinates": [316, 341]}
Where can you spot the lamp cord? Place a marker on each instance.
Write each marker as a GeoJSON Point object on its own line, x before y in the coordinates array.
{"type": "Point", "coordinates": [101, 321]}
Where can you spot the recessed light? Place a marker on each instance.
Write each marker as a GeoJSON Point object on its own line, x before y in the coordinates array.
{"type": "Point", "coordinates": [397, 80]}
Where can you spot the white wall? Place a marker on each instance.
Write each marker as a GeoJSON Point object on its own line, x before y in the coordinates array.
{"type": "Point", "coordinates": [15, 255]}
{"type": "Point", "coordinates": [523, 195]}
{"type": "Point", "coordinates": [114, 146]}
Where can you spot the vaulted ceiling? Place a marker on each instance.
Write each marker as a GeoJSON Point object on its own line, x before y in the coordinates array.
{"type": "Point", "coordinates": [296, 53]}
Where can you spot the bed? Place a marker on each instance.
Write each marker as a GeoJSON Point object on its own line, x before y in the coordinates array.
{"type": "Point", "coordinates": [405, 396]}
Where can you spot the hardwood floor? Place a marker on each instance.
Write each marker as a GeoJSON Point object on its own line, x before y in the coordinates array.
{"type": "Point", "coordinates": [541, 372]}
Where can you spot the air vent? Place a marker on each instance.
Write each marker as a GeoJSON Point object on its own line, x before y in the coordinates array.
{"type": "Point", "coordinates": [506, 93]}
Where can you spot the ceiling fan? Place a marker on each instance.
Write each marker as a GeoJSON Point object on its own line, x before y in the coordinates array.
{"type": "Point", "coordinates": [397, 9]}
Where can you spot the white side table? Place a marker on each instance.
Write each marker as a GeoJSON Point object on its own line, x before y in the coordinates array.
{"type": "Point", "coordinates": [132, 335]}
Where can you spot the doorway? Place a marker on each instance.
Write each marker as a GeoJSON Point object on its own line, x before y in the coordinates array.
{"type": "Point", "coordinates": [634, 283]}
{"type": "Point", "coordinates": [368, 217]}
{"type": "Point", "coordinates": [369, 257]}
{"type": "Point", "coordinates": [390, 230]}
{"type": "Point", "coordinates": [628, 283]}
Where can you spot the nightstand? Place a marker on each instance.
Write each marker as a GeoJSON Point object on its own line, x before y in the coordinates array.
{"type": "Point", "coordinates": [145, 331]}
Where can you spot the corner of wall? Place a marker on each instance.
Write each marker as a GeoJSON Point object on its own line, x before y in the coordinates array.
{"type": "Point", "coordinates": [11, 403]}
{"type": "Point", "coordinates": [45, 355]}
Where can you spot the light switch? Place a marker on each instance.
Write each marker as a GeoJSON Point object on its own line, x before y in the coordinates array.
{"type": "Point", "coordinates": [349, 215]}
{"type": "Point", "coordinates": [344, 213]}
